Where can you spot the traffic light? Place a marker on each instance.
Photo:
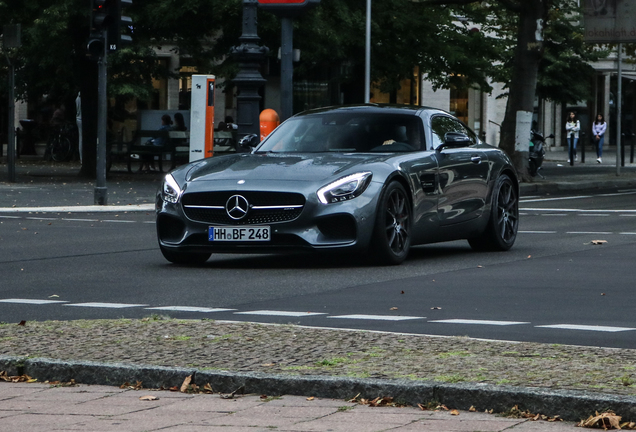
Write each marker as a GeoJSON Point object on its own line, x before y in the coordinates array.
{"type": "Point", "coordinates": [100, 20]}
{"type": "Point", "coordinates": [119, 26]}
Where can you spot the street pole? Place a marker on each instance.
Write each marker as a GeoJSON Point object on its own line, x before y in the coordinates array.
{"type": "Point", "coordinates": [619, 110]}
{"type": "Point", "coordinates": [286, 68]}
{"type": "Point", "coordinates": [249, 79]}
{"type": "Point", "coordinates": [102, 67]}
{"type": "Point", "coordinates": [367, 56]}
{"type": "Point", "coordinates": [11, 135]}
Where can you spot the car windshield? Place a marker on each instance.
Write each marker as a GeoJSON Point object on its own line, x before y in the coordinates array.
{"type": "Point", "coordinates": [347, 132]}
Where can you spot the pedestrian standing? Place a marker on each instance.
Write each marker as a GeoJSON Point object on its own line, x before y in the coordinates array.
{"type": "Point", "coordinates": [572, 128]}
{"type": "Point", "coordinates": [598, 131]}
{"type": "Point", "coordinates": [78, 121]}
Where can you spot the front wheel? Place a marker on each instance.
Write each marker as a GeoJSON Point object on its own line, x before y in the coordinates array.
{"type": "Point", "coordinates": [392, 231]}
{"type": "Point", "coordinates": [501, 231]}
{"type": "Point", "coordinates": [186, 258]}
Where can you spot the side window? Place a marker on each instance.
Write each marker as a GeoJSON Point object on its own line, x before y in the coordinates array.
{"type": "Point", "coordinates": [441, 125]}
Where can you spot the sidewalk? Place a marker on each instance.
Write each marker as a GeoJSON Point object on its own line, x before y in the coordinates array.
{"type": "Point", "coordinates": [43, 408]}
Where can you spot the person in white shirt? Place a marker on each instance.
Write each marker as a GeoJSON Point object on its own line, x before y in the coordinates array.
{"type": "Point", "coordinates": [572, 128]}
{"type": "Point", "coordinates": [598, 131]}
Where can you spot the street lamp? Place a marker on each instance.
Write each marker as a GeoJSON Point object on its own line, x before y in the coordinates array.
{"type": "Point", "coordinates": [367, 56]}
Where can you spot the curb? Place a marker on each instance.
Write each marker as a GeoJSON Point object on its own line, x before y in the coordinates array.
{"type": "Point", "coordinates": [569, 405]}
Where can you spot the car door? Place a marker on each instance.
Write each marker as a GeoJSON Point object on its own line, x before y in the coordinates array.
{"type": "Point", "coordinates": [463, 173]}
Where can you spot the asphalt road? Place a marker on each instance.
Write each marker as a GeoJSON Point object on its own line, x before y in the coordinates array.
{"type": "Point", "coordinates": [554, 286]}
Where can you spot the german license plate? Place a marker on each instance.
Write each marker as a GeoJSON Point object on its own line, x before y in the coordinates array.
{"type": "Point", "coordinates": [239, 234]}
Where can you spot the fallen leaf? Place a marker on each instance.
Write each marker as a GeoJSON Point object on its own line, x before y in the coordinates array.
{"type": "Point", "coordinates": [354, 399]}
{"type": "Point", "coordinates": [599, 242]}
{"type": "Point", "coordinates": [442, 407]}
{"type": "Point", "coordinates": [393, 308]}
{"type": "Point", "coordinates": [21, 323]}
{"type": "Point", "coordinates": [185, 384]}
{"type": "Point", "coordinates": [208, 388]}
{"type": "Point", "coordinates": [402, 292]}
{"type": "Point", "coordinates": [422, 407]}
{"type": "Point", "coordinates": [472, 409]}
{"type": "Point", "coordinates": [436, 307]}
{"type": "Point", "coordinates": [602, 294]}
{"type": "Point", "coordinates": [529, 256]}
{"type": "Point", "coordinates": [480, 266]}
{"type": "Point", "coordinates": [263, 396]}
{"type": "Point", "coordinates": [606, 420]}
{"type": "Point", "coordinates": [454, 412]}
{"type": "Point", "coordinates": [54, 296]}
{"type": "Point", "coordinates": [148, 398]}
{"type": "Point", "coordinates": [310, 398]}
{"type": "Point", "coordinates": [269, 364]}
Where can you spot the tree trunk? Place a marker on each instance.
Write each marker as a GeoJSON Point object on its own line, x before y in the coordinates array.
{"type": "Point", "coordinates": [515, 130]}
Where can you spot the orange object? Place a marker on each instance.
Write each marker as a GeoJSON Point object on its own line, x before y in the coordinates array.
{"type": "Point", "coordinates": [209, 120]}
{"type": "Point", "coordinates": [269, 121]}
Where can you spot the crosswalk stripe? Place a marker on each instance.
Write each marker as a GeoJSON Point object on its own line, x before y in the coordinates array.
{"type": "Point", "coordinates": [483, 322]}
{"type": "Point", "coordinates": [378, 317]}
{"type": "Point", "coordinates": [106, 305]}
{"type": "Point", "coordinates": [280, 313]}
{"type": "Point", "coordinates": [188, 309]}
{"type": "Point", "coordinates": [31, 301]}
{"type": "Point", "coordinates": [587, 327]}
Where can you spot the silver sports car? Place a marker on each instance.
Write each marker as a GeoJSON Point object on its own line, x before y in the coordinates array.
{"type": "Point", "coordinates": [369, 179]}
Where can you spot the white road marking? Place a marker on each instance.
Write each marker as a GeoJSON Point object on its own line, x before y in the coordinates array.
{"type": "Point", "coordinates": [106, 305]}
{"type": "Point", "coordinates": [587, 327]}
{"type": "Point", "coordinates": [188, 309]}
{"type": "Point", "coordinates": [80, 220]}
{"type": "Point", "coordinates": [576, 210]}
{"type": "Point", "coordinates": [482, 322]}
{"type": "Point", "coordinates": [589, 232]}
{"type": "Point", "coordinates": [553, 214]}
{"type": "Point", "coordinates": [593, 215]}
{"type": "Point", "coordinates": [117, 220]}
{"type": "Point", "coordinates": [80, 209]}
{"type": "Point", "coordinates": [537, 232]}
{"type": "Point", "coordinates": [280, 313]}
{"type": "Point", "coordinates": [31, 301]}
{"type": "Point", "coordinates": [628, 215]}
{"type": "Point", "coordinates": [40, 218]}
{"type": "Point", "coordinates": [528, 199]}
{"type": "Point", "coordinates": [10, 217]}
{"type": "Point", "coordinates": [377, 317]}
{"type": "Point", "coordinates": [628, 233]}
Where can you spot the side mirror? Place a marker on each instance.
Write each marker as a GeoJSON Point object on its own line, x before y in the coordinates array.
{"type": "Point", "coordinates": [248, 142]}
{"type": "Point", "coordinates": [455, 139]}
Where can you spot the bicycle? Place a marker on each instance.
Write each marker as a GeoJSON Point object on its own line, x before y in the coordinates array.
{"type": "Point", "coordinates": [60, 146]}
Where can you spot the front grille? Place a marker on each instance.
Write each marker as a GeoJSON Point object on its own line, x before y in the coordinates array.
{"type": "Point", "coordinates": [209, 207]}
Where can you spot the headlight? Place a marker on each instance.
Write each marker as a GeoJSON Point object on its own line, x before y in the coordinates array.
{"type": "Point", "coordinates": [345, 188]}
{"type": "Point", "coordinates": [170, 190]}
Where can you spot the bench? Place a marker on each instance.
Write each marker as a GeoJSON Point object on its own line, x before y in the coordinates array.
{"type": "Point", "coordinates": [175, 148]}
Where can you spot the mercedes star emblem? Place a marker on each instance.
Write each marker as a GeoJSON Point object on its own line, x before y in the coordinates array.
{"type": "Point", "coordinates": [237, 207]}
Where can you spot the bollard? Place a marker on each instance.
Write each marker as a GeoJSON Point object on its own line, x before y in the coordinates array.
{"type": "Point", "coordinates": [631, 150]}
{"type": "Point", "coordinates": [582, 140]}
{"type": "Point", "coordinates": [269, 120]}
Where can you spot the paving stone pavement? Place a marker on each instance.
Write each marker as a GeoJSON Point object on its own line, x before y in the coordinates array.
{"type": "Point", "coordinates": [35, 407]}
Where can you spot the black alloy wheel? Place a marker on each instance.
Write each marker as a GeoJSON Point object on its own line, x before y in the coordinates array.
{"type": "Point", "coordinates": [501, 231]}
{"type": "Point", "coordinates": [392, 233]}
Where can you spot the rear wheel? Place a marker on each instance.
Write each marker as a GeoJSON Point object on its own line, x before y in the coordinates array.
{"type": "Point", "coordinates": [501, 231]}
{"type": "Point", "coordinates": [186, 258]}
{"type": "Point", "coordinates": [392, 232]}
{"type": "Point", "coordinates": [61, 149]}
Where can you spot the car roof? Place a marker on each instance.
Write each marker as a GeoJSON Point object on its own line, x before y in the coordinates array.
{"type": "Point", "coordinates": [373, 108]}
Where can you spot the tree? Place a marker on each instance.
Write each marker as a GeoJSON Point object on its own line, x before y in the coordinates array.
{"type": "Point", "coordinates": [547, 40]}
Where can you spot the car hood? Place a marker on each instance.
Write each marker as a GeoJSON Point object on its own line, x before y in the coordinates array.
{"type": "Point", "coordinates": [272, 166]}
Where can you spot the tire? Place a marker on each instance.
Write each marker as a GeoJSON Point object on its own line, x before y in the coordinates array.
{"type": "Point", "coordinates": [61, 149]}
{"type": "Point", "coordinates": [185, 258]}
{"type": "Point", "coordinates": [135, 162]}
{"type": "Point", "coordinates": [532, 168]}
{"type": "Point", "coordinates": [392, 232]}
{"type": "Point", "coordinates": [501, 231]}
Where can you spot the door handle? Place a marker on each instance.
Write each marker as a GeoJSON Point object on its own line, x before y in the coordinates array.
{"type": "Point", "coordinates": [475, 159]}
